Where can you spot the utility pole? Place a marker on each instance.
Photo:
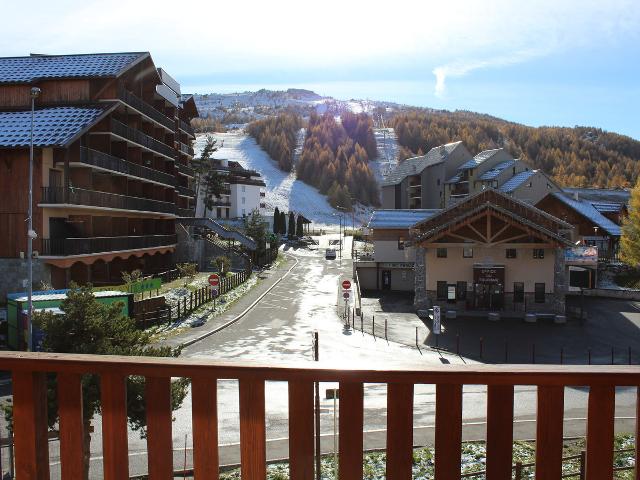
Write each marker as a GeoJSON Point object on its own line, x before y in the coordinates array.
{"type": "Point", "coordinates": [31, 234]}
{"type": "Point", "coordinates": [316, 357]}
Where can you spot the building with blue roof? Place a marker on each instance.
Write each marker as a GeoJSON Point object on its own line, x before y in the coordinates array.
{"type": "Point", "coordinates": [112, 151]}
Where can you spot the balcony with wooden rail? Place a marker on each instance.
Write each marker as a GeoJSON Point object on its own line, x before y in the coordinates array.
{"type": "Point", "coordinates": [136, 136]}
{"type": "Point", "coordinates": [146, 109]}
{"type": "Point", "coordinates": [29, 374]}
{"type": "Point", "coordinates": [56, 247]}
{"type": "Point", "coordinates": [114, 164]}
{"type": "Point", "coordinates": [104, 200]}
{"type": "Point", "coordinates": [186, 128]}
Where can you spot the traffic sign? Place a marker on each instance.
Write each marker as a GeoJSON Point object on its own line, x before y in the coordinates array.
{"type": "Point", "coordinates": [214, 280]}
{"type": "Point", "coordinates": [346, 284]}
{"type": "Point", "coordinates": [346, 295]}
{"type": "Point", "coordinates": [436, 320]}
{"type": "Point", "coordinates": [214, 291]}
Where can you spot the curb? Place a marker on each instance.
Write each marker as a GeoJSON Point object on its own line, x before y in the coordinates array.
{"type": "Point", "coordinates": [244, 312]}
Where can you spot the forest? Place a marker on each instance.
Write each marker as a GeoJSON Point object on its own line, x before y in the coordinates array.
{"type": "Point", "coordinates": [335, 159]}
{"type": "Point", "coordinates": [576, 157]}
{"type": "Point", "coordinates": [277, 136]}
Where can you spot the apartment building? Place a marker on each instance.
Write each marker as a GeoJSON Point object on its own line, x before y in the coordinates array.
{"type": "Point", "coordinates": [418, 182]}
{"type": "Point", "coordinates": [243, 192]}
{"type": "Point", "coordinates": [112, 147]}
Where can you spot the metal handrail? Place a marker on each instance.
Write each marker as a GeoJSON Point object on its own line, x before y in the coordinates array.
{"type": "Point", "coordinates": [145, 108]}
{"type": "Point", "coordinates": [141, 138]}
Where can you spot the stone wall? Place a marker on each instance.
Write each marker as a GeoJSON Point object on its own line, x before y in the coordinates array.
{"type": "Point", "coordinates": [14, 272]}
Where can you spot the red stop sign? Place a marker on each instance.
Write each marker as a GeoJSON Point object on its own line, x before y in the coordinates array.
{"type": "Point", "coordinates": [346, 284]}
{"type": "Point", "coordinates": [214, 280]}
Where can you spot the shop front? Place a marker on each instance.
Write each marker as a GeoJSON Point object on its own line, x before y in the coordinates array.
{"type": "Point", "coordinates": [488, 287]}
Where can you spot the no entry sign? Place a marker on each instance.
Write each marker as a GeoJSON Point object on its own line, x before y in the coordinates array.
{"type": "Point", "coordinates": [346, 284]}
{"type": "Point", "coordinates": [214, 280]}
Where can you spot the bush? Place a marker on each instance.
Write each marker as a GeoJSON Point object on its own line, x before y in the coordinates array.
{"type": "Point", "coordinates": [187, 270]}
{"type": "Point", "coordinates": [222, 263]}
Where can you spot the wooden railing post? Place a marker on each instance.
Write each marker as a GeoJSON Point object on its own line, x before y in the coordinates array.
{"type": "Point", "coordinates": [350, 426]}
{"type": "Point", "coordinates": [204, 411]}
{"type": "Point", "coordinates": [399, 431]}
{"type": "Point", "coordinates": [600, 432]}
{"type": "Point", "coordinates": [159, 439]}
{"type": "Point", "coordinates": [30, 425]}
{"type": "Point", "coordinates": [499, 431]}
{"type": "Point", "coordinates": [114, 426]}
{"type": "Point", "coordinates": [549, 436]}
{"type": "Point", "coordinates": [252, 430]}
{"type": "Point", "coordinates": [448, 437]}
{"type": "Point", "coordinates": [71, 425]}
{"type": "Point", "coordinates": [301, 430]}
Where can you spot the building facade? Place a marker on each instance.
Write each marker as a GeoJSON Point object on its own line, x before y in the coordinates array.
{"type": "Point", "coordinates": [491, 253]}
{"type": "Point", "coordinates": [112, 147]}
{"type": "Point", "coordinates": [243, 192]}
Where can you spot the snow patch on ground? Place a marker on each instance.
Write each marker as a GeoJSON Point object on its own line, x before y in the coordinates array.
{"type": "Point", "coordinates": [283, 189]}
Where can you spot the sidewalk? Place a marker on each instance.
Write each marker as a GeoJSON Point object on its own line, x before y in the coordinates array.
{"type": "Point", "coordinates": [266, 280]}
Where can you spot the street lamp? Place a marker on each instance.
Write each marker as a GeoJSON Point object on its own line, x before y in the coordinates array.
{"type": "Point", "coordinates": [31, 234]}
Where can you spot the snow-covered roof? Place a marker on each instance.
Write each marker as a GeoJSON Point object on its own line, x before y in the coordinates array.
{"type": "Point", "coordinates": [479, 158]}
{"type": "Point", "coordinates": [517, 180]}
{"type": "Point", "coordinates": [590, 212]}
{"type": "Point", "coordinates": [606, 207]}
{"type": "Point", "coordinates": [52, 127]}
{"type": "Point", "coordinates": [399, 219]}
{"type": "Point", "coordinates": [415, 165]}
{"type": "Point", "coordinates": [95, 65]}
{"type": "Point", "coordinates": [61, 295]}
{"type": "Point", "coordinates": [497, 170]}
{"type": "Point", "coordinates": [601, 194]}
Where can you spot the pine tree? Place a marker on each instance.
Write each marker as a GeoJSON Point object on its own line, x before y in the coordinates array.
{"type": "Point", "coordinates": [256, 230]}
{"type": "Point", "coordinates": [292, 225]}
{"type": "Point", "coordinates": [276, 221]}
{"type": "Point", "coordinates": [630, 242]}
{"type": "Point", "coordinates": [299, 226]}
{"type": "Point", "coordinates": [283, 223]}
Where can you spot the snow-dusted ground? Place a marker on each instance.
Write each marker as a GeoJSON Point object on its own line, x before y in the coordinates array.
{"type": "Point", "coordinates": [283, 189]}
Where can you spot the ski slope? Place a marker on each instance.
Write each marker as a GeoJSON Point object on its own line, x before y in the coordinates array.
{"type": "Point", "coordinates": [283, 189]}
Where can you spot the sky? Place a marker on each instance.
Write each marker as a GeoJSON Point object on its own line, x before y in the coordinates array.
{"type": "Point", "coordinates": [533, 62]}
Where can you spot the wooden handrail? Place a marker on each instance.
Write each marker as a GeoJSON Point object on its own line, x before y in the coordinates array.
{"type": "Point", "coordinates": [30, 423]}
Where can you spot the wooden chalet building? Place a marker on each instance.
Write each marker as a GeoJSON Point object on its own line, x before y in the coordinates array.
{"type": "Point", "coordinates": [113, 144]}
{"type": "Point", "coordinates": [494, 254]}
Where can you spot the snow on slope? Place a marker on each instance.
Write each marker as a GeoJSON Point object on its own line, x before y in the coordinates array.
{"type": "Point", "coordinates": [283, 189]}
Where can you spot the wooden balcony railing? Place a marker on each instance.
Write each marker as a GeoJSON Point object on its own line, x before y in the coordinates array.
{"type": "Point", "coordinates": [185, 191]}
{"type": "Point", "coordinates": [186, 149]}
{"type": "Point", "coordinates": [185, 169]}
{"type": "Point", "coordinates": [145, 108]}
{"type": "Point", "coordinates": [115, 164]}
{"type": "Point", "coordinates": [186, 128]}
{"type": "Point", "coordinates": [141, 138]}
{"type": "Point", "coordinates": [83, 246]}
{"type": "Point", "coordinates": [93, 198]}
{"type": "Point", "coordinates": [30, 422]}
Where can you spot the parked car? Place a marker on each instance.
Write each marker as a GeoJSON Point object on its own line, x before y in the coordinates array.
{"type": "Point", "coordinates": [330, 254]}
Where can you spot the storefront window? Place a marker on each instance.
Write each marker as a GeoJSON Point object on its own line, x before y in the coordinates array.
{"type": "Point", "coordinates": [467, 252]}
{"type": "Point", "coordinates": [539, 293]}
{"type": "Point", "coordinates": [511, 253]}
{"type": "Point", "coordinates": [518, 292]}
{"type": "Point", "coordinates": [538, 253]}
{"type": "Point", "coordinates": [441, 253]}
{"type": "Point", "coordinates": [441, 291]}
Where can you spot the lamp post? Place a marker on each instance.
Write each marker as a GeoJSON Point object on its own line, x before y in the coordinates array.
{"type": "Point", "coordinates": [31, 234]}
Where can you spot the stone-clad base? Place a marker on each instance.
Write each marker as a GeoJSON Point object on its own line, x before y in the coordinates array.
{"type": "Point", "coordinates": [13, 271]}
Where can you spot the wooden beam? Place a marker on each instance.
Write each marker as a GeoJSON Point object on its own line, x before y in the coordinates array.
{"type": "Point", "coordinates": [399, 431]}
{"type": "Point", "coordinates": [159, 439]}
{"type": "Point", "coordinates": [497, 234]}
{"type": "Point", "coordinates": [483, 237]}
{"type": "Point", "coordinates": [549, 432]}
{"type": "Point", "coordinates": [600, 432]}
{"type": "Point", "coordinates": [204, 412]}
{"type": "Point", "coordinates": [71, 425]}
{"type": "Point", "coordinates": [351, 424]}
{"type": "Point", "coordinates": [448, 437]}
{"type": "Point", "coordinates": [301, 430]}
{"type": "Point", "coordinates": [252, 430]}
{"type": "Point", "coordinates": [499, 431]}
{"type": "Point", "coordinates": [115, 448]}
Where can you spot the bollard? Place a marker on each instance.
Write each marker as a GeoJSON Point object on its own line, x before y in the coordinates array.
{"type": "Point", "coordinates": [361, 324]}
{"type": "Point", "coordinates": [589, 352]}
{"type": "Point", "coordinates": [457, 344]}
{"type": "Point", "coordinates": [437, 336]}
{"type": "Point", "coordinates": [561, 355]}
{"type": "Point", "coordinates": [518, 471]}
{"type": "Point", "coordinates": [481, 342]}
{"type": "Point", "coordinates": [506, 351]}
{"type": "Point", "coordinates": [629, 355]}
{"type": "Point", "coordinates": [385, 329]}
{"type": "Point", "coordinates": [612, 357]}
{"type": "Point", "coordinates": [416, 336]}
{"type": "Point", "coordinates": [373, 328]}
{"type": "Point", "coordinates": [583, 464]}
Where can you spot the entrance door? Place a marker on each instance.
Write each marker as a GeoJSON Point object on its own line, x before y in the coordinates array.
{"type": "Point", "coordinates": [386, 279]}
{"type": "Point", "coordinates": [489, 297]}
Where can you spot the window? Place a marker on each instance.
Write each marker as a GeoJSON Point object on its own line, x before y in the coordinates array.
{"type": "Point", "coordinates": [539, 293]}
{"type": "Point", "coordinates": [467, 252]}
{"type": "Point", "coordinates": [244, 188]}
{"type": "Point", "coordinates": [441, 253]}
{"type": "Point", "coordinates": [510, 252]}
{"type": "Point", "coordinates": [461, 288]}
{"type": "Point", "coordinates": [401, 243]}
{"type": "Point", "coordinates": [244, 212]}
{"type": "Point", "coordinates": [538, 253]}
{"type": "Point", "coordinates": [218, 212]}
{"type": "Point", "coordinates": [441, 292]}
{"type": "Point", "coordinates": [226, 212]}
{"type": "Point", "coordinates": [243, 199]}
{"type": "Point", "coordinates": [518, 292]}
{"type": "Point", "coordinates": [438, 181]}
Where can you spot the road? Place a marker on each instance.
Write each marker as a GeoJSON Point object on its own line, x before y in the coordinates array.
{"type": "Point", "coordinates": [279, 329]}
